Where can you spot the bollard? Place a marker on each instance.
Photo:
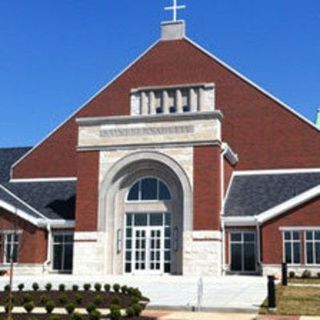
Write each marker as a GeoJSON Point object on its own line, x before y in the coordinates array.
{"type": "Point", "coordinates": [271, 293]}
{"type": "Point", "coordinates": [284, 274]}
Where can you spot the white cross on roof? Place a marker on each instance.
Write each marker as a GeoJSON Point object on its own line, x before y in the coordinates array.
{"type": "Point", "coordinates": [174, 8]}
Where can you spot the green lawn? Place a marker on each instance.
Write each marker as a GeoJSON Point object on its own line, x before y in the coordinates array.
{"type": "Point", "coordinates": [295, 301]}
{"type": "Point", "coordinates": [305, 281]}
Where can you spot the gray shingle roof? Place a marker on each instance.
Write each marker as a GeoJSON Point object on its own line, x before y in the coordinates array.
{"type": "Point", "coordinates": [55, 200]}
{"type": "Point", "coordinates": [250, 195]}
{"type": "Point", "coordinates": [8, 156]}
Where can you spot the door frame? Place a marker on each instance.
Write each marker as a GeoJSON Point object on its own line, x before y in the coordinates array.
{"type": "Point", "coordinates": [242, 271]}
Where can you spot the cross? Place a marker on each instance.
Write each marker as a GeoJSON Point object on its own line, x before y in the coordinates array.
{"type": "Point", "coordinates": [174, 8]}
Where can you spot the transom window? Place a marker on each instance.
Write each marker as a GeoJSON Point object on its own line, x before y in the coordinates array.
{"type": "Point", "coordinates": [149, 189]}
{"type": "Point", "coordinates": [313, 246]}
{"type": "Point", "coordinates": [292, 247]}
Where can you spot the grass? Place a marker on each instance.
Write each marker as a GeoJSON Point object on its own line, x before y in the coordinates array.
{"type": "Point", "coordinates": [295, 301]}
{"type": "Point", "coordinates": [305, 281]}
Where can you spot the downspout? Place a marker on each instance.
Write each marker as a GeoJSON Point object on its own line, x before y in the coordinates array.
{"type": "Point", "coordinates": [224, 148]}
{"type": "Point", "coordinates": [48, 260]}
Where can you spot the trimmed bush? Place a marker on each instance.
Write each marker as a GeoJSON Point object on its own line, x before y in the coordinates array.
{"type": "Point", "coordinates": [135, 299]}
{"type": "Point", "coordinates": [90, 307]}
{"type": "Point", "coordinates": [79, 299]}
{"type": "Point", "coordinates": [20, 286]}
{"type": "Point", "coordinates": [124, 289]}
{"type": "Point", "coordinates": [97, 287]}
{"type": "Point", "coordinates": [130, 312]}
{"type": "Point", "coordinates": [97, 300]}
{"type": "Point", "coordinates": [75, 288]}
{"type": "Point", "coordinates": [29, 306]}
{"type": "Point", "coordinates": [115, 312]}
{"type": "Point", "coordinates": [95, 315]}
{"type": "Point", "coordinates": [292, 274]}
{"type": "Point", "coordinates": [48, 286]}
{"type": "Point", "coordinates": [7, 287]}
{"type": "Point", "coordinates": [63, 299]}
{"type": "Point", "coordinates": [137, 309]}
{"type": "Point", "coordinates": [44, 299]}
{"type": "Point", "coordinates": [76, 316]}
{"type": "Point", "coordinates": [32, 318]}
{"type": "Point", "coordinates": [70, 308]}
{"type": "Point", "coordinates": [54, 317]}
{"type": "Point", "coordinates": [35, 286]}
{"type": "Point", "coordinates": [50, 307]}
{"type": "Point", "coordinates": [87, 286]}
{"type": "Point", "coordinates": [26, 298]}
{"type": "Point", "coordinates": [318, 274]}
{"type": "Point", "coordinates": [116, 287]}
{"type": "Point", "coordinates": [115, 301]}
{"type": "Point", "coordinates": [8, 306]}
{"type": "Point", "coordinates": [62, 287]}
{"type": "Point", "coordinates": [306, 274]}
{"type": "Point", "coordinates": [107, 287]}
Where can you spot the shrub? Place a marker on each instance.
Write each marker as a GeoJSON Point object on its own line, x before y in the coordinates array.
{"type": "Point", "coordinates": [35, 286]}
{"type": "Point", "coordinates": [130, 312]}
{"type": "Point", "coordinates": [79, 299]}
{"type": "Point", "coordinates": [137, 309]}
{"type": "Point", "coordinates": [75, 288]}
{"type": "Point", "coordinates": [90, 307]}
{"type": "Point", "coordinates": [87, 286]}
{"type": "Point", "coordinates": [32, 318]}
{"type": "Point", "coordinates": [135, 299]}
{"type": "Point", "coordinates": [97, 286]}
{"type": "Point", "coordinates": [115, 312]}
{"type": "Point", "coordinates": [306, 274]}
{"type": "Point", "coordinates": [62, 287]}
{"type": "Point", "coordinates": [94, 315]}
{"type": "Point", "coordinates": [97, 300]}
{"type": "Point", "coordinates": [70, 308]}
{"type": "Point", "coordinates": [318, 274]}
{"type": "Point", "coordinates": [7, 287]}
{"type": "Point", "coordinates": [29, 306]}
{"type": "Point", "coordinates": [48, 286]}
{"type": "Point", "coordinates": [107, 287]}
{"type": "Point", "coordinates": [76, 316]}
{"type": "Point", "coordinates": [50, 307]}
{"type": "Point", "coordinates": [124, 289]}
{"type": "Point", "coordinates": [8, 306]}
{"type": "Point", "coordinates": [54, 317]}
{"type": "Point", "coordinates": [63, 299]}
{"type": "Point", "coordinates": [116, 287]}
{"type": "Point", "coordinates": [292, 274]}
{"type": "Point", "coordinates": [115, 301]}
{"type": "Point", "coordinates": [44, 299]}
{"type": "Point", "coordinates": [26, 298]}
{"type": "Point", "coordinates": [20, 286]}
{"type": "Point", "coordinates": [2, 273]}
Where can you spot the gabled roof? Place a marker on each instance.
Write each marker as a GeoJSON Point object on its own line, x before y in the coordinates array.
{"type": "Point", "coordinates": [251, 195]}
{"type": "Point", "coordinates": [8, 156]}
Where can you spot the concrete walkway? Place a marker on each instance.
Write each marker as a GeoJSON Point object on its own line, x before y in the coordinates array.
{"type": "Point", "coordinates": [228, 294]}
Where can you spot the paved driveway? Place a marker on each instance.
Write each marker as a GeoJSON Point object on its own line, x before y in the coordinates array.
{"type": "Point", "coordinates": [230, 293]}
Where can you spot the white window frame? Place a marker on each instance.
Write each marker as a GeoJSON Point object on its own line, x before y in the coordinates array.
{"type": "Point", "coordinates": [12, 244]}
{"type": "Point", "coordinates": [140, 191]}
{"type": "Point", "coordinates": [313, 241]}
{"type": "Point", "coordinates": [60, 233]}
{"type": "Point", "coordinates": [291, 241]}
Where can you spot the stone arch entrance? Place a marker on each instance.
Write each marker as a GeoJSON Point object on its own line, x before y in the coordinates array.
{"type": "Point", "coordinates": [114, 208]}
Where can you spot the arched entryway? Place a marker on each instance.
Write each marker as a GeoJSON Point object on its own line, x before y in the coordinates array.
{"type": "Point", "coordinates": [145, 206]}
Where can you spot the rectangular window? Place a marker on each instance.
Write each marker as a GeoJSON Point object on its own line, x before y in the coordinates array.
{"type": "Point", "coordinates": [292, 247]}
{"type": "Point", "coordinates": [312, 245]}
{"type": "Point", "coordinates": [62, 252]}
{"type": "Point", "coordinates": [11, 247]}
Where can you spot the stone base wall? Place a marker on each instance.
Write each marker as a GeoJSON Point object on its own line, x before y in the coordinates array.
{"type": "Point", "coordinates": [202, 253]}
{"type": "Point", "coordinates": [89, 253]}
{"type": "Point", "coordinates": [275, 269]}
{"type": "Point", "coordinates": [26, 269]}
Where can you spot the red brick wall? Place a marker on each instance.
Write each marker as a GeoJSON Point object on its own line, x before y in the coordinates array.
{"type": "Point", "coordinates": [33, 241]}
{"type": "Point", "coordinates": [87, 191]}
{"type": "Point", "coordinates": [306, 215]}
{"type": "Point", "coordinates": [206, 198]}
{"type": "Point", "coordinates": [264, 134]}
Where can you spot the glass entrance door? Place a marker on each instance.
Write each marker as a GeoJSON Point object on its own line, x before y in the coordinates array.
{"type": "Point", "coordinates": [148, 243]}
{"type": "Point", "coordinates": [243, 251]}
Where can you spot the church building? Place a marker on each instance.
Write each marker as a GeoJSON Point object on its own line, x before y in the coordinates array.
{"type": "Point", "coordinates": [179, 166]}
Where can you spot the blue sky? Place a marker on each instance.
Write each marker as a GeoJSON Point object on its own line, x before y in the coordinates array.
{"type": "Point", "coordinates": [55, 54]}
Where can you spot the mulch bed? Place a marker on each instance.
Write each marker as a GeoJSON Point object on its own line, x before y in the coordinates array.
{"type": "Point", "coordinates": [88, 297]}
